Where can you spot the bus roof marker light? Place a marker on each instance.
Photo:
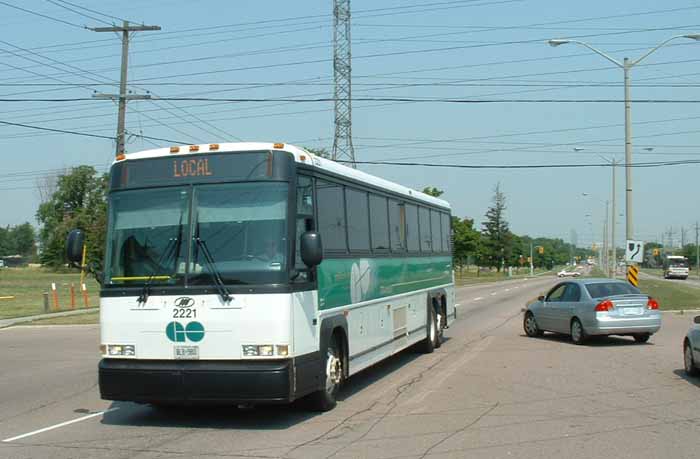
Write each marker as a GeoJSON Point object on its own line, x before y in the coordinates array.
{"type": "Point", "coordinates": [278, 146]}
{"type": "Point", "coordinates": [121, 157]}
{"type": "Point", "coordinates": [174, 149]}
{"type": "Point", "coordinates": [213, 146]}
{"type": "Point", "coordinates": [302, 157]}
{"type": "Point", "coordinates": [194, 148]}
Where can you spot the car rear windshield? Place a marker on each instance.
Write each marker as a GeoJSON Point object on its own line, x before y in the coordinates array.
{"type": "Point", "coordinates": [601, 290]}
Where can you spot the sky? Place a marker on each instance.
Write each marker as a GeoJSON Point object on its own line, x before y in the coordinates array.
{"type": "Point", "coordinates": [488, 50]}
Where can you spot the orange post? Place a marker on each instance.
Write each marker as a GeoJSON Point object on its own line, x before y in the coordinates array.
{"type": "Point", "coordinates": [54, 293]}
{"type": "Point", "coordinates": [83, 288]}
{"type": "Point", "coordinates": [72, 295]}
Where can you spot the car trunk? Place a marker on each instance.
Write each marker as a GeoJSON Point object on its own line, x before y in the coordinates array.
{"type": "Point", "coordinates": [628, 305]}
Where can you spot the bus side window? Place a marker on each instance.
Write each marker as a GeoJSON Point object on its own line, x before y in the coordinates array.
{"type": "Point", "coordinates": [397, 226]}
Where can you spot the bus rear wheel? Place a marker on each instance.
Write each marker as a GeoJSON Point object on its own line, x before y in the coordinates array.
{"type": "Point", "coordinates": [333, 371]}
{"type": "Point", "coordinates": [432, 340]}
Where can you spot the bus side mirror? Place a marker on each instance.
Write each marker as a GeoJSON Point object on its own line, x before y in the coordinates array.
{"type": "Point", "coordinates": [74, 246]}
{"type": "Point", "coordinates": [311, 248]}
{"type": "Point", "coordinates": [697, 319]}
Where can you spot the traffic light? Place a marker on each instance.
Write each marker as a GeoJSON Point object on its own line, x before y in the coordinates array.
{"type": "Point", "coordinates": [594, 247]}
{"type": "Point", "coordinates": [540, 249]}
{"type": "Point", "coordinates": [656, 252]}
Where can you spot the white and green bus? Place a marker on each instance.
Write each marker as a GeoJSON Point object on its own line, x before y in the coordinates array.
{"type": "Point", "coordinates": [251, 273]}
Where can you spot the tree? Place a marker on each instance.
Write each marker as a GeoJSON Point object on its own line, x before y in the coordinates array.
{"type": "Point", "coordinates": [18, 240]}
{"type": "Point", "coordinates": [497, 239]}
{"type": "Point", "coordinates": [24, 239]}
{"type": "Point", "coordinates": [432, 191]}
{"type": "Point", "coordinates": [78, 202]}
{"type": "Point", "coordinates": [322, 152]}
{"type": "Point", "coordinates": [466, 241]}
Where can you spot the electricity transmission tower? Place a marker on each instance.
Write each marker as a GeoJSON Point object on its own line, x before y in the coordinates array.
{"type": "Point", "coordinates": [342, 143]}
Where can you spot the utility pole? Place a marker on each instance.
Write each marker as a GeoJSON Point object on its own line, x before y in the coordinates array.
{"type": "Point", "coordinates": [682, 236]}
{"type": "Point", "coordinates": [123, 97]}
{"type": "Point", "coordinates": [342, 69]}
{"type": "Point", "coordinates": [697, 248]}
{"type": "Point", "coordinates": [613, 269]}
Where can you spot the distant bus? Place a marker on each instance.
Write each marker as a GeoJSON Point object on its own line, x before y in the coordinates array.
{"type": "Point", "coordinates": [254, 273]}
{"type": "Point", "coordinates": [676, 267]}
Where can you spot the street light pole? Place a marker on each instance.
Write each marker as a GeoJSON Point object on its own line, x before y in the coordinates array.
{"type": "Point", "coordinates": [613, 270]}
{"type": "Point", "coordinates": [628, 152]}
{"type": "Point", "coordinates": [626, 66]}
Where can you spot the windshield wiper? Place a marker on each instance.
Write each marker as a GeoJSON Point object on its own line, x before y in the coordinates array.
{"type": "Point", "coordinates": [172, 248]}
{"type": "Point", "coordinates": [211, 264]}
{"type": "Point", "coordinates": [167, 252]}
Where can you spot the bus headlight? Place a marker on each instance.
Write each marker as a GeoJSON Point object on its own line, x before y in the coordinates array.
{"type": "Point", "coordinates": [282, 350]}
{"type": "Point", "coordinates": [121, 350]}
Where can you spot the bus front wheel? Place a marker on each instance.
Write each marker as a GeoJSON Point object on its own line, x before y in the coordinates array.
{"type": "Point", "coordinates": [333, 371]}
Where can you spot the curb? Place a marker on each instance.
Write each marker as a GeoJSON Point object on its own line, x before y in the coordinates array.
{"type": "Point", "coordinates": [4, 323]}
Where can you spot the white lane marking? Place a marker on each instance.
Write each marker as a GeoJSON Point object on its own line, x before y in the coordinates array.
{"type": "Point", "coordinates": [478, 298]}
{"type": "Point", "coordinates": [507, 290]}
{"type": "Point", "coordinates": [56, 426]}
{"type": "Point", "coordinates": [494, 293]}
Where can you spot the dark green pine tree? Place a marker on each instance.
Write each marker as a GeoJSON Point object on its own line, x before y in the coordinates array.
{"type": "Point", "coordinates": [497, 239]}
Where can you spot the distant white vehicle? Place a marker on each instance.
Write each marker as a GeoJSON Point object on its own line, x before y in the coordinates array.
{"type": "Point", "coordinates": [676, 267]}
{"type": "Point", "coordinates": [565, 273]}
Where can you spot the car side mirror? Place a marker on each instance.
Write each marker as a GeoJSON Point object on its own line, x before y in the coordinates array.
{"type": "Point", "coordinates": [540, 298]}
{"type": "Point", "coordinates": [74, 246]}
{"type": "Point", "coordinates": [697, 319]}
{"type": "Point", "coordinates": [311, 248]}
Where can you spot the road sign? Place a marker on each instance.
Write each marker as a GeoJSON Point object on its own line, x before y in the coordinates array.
{"type": "Point", "coordinates": [634, 251]}
{"type": "Point", "coordinates": [633, 275]}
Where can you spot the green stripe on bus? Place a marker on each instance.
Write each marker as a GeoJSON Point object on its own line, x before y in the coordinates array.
{"type": "Point", "coordinates": [352, 280]}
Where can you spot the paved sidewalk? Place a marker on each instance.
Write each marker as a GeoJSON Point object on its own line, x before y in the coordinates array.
{"type": "Point", "coordinates": [17, 320]}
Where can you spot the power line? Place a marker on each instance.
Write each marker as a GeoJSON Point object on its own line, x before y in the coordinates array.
{"type": "Point", "coordinates": [61, 131]}
{"type": "Point", "coordinates": [528, 166]}
{"type": "Point", "coordinates": [42, 15]}
{"type": "Point", "coordinates": [91, 11]}
{"type": "Point", "coordinates": [77, 12]}
{"type": "Point", "coordinates": [386, 99]}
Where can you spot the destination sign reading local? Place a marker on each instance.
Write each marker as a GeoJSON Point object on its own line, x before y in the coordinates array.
{"type": "Point", "coordinates": [199, 168]}
{"type": "Point", "coordinates": [191, 167]}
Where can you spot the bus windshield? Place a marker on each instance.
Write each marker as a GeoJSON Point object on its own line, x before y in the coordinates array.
{"type": "Point", "coordinates": [145, 238]}
{"type": "Point", "coordinates": [243, 227]}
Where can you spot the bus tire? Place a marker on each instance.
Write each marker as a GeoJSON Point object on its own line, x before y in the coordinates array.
{"type": "Point", "coordinates": [430, 343]}
{"type": "Point", "coordinates": [332, 377]}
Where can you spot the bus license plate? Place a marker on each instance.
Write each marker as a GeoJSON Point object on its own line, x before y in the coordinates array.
{"type": "Point", "coordinates": [187, 352]}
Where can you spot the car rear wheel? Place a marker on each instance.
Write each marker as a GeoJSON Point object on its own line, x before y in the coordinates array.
{"type": "Point", "coordinates": [642, 337]}
{"type": "Point", "coordinates": [578, 335]}
{"type": "Point", "coordinates": [530, 325]}
{"type": "Point", "coordinates": [688, 361]}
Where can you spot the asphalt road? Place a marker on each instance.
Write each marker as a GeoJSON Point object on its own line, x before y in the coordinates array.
{"type": "Point", "coordinates": [488, 392]}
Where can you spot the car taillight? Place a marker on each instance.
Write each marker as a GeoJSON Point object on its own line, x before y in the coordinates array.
{"type": "Point", "coordinates": [606, 305]}
{"type": "Point", "coordinates": [652, 303]}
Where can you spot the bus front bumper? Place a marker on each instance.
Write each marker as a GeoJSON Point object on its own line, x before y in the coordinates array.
{"type": "Point", "coordinates": [194, 382]}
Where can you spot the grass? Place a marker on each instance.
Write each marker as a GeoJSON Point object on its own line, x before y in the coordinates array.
{"type": "Point", "coordinates": [671, 295]}
{"type": "Point", "coordinates": [470, 277]}
{"type": "Point", "coordinates": [27, 285]}
{"type": "Point", "coordinates": [76, 319]}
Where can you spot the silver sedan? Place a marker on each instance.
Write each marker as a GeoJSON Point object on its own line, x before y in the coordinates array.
{"type": "Point", "coordinates": [587, 307]}
{"type": "Point", "coordinates": [691, 349]}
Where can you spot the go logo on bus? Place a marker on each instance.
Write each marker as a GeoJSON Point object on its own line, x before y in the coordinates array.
{"type": "Point", "coordinates": [177, 333]}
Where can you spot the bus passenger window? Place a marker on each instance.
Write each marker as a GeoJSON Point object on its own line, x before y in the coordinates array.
{"type": "Point", "coordinates": [331, 216]}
